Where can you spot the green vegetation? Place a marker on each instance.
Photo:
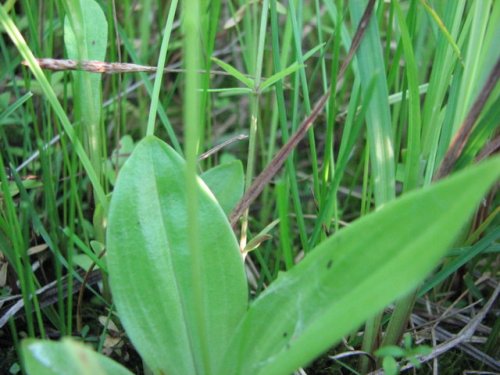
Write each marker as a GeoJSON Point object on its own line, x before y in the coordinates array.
{"type": "Point", "coordinates": [342, 190]}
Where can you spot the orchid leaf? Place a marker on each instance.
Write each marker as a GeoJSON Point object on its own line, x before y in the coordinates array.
{"type": "Point", "coordinates": [354, 274]}
{"type": "Point", "coordinates": [150, 264]}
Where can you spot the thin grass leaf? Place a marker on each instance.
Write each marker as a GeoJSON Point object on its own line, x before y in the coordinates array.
{"type": "Point", "coordinates": [370, 63]}
{"type": "Point", "coordinates": [280, 75]}
{"type": "Point", "coordinates": [289, 70]}
{"type": "Point", "coordinates": [476, 68]}
{"type": "Point", "coordinates": [481, 134]}
{"type": "Point", "coordinates": [155, 96]}
{"type": "Point", "coordinates": [230, 91]}
{"type": "Point", "coordinates": [412, 165]}
{"type": "Point", "coordinates": [12, 108]}
{"type": "Point", "coordinates": [162, 114]}
{"type": "Point", "coordinates": [283, 123]}
{"type": "Point", "coordinates": [262, 236]}
{"type": "Point", "coordinates": [345, 281]}
{"type": "Point", "coordinates": [442, 27]}
{"type": "Point", "coordinates": [235, 73]}
{"type": "Point", "coordinates": [444, 63]}
{"type": "Point", "coordinates": [371, 66]}
{"type": "Point", "coordinates": [465, 256]}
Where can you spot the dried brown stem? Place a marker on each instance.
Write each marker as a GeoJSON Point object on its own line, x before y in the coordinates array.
{"type": "Point", "coordinates": [95, 66]}
{"type": "Point", "coordinates": [274, 166]}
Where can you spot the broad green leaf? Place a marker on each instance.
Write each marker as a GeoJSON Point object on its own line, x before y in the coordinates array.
{"type": "Point", "coordinates": [353, 274]}
{"type": "Point", "coordinates": [149, 263]}
{"type": "Point", "coordinates": [235, 73]}
{"type": "Point", "coordinates": [226, 181]}
{"type": "Point", "coordinates": [118, 157]}
{"type": "Point", "coordinates": [94, 33]}
{"type": "Point", "coordinates": [89, 44]}
{"type": "Point", "coordinates": [67, 357]}
{"type": "Point", "coordinates": [390, 366]}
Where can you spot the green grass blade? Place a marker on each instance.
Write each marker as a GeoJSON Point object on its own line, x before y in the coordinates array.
{"type": "Point", "coordinates": [412, 164]}
{"type": "Point", "coordinates": [155, 96]}
{"type": "Point", "coordinates": [280, 75]}
{"type": "Point", "coordinates": [289, 70]}
{"type": "Point", "coordinates": [12, 108]}
{"type": "Point", "coordinates": [343, 282]}
{"type": "Point", "coordinates": [232, 91]}
{"type": "Point", "coordinates": [474, 69]}
{"type": "Point", "coordinates": [465, 256]}
{"type": "Point", "coordinates": [162, 114]}
{"type": "Point", "coordinates": [235, 73]}
{"type": "Point", "coordinates": [442, 27]}
{"type": "Point", "coordinates": [441, 76]}
{"type": "Point", "coordinates": [369, 60]}
{"type": "Point", "coordinates": [283, 122]}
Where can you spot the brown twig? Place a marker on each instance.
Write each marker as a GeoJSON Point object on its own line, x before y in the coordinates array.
{"type": "Point", "coordinates": [463, 134]}
{"type": "Point", "coordinates": [275, 165]}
